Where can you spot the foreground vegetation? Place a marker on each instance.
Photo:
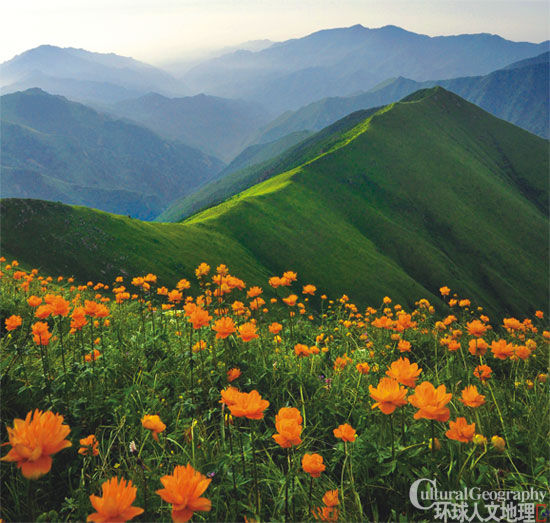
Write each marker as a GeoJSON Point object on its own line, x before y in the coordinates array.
{"type": "Point", "coordinates": [233, 404]}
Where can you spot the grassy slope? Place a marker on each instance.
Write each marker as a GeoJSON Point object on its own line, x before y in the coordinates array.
{"type": "Point", "coordinates": [426, 192]}
{"type": "Point", "coordinates": [230, 184]}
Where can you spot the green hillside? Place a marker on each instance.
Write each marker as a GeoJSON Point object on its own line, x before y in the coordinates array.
{"type": "Point", "coordinates": [63, 151]}
{"type": "Point", "coordinates": [229, 182]}
{"type": "Point", "coordinates": [425, 192]}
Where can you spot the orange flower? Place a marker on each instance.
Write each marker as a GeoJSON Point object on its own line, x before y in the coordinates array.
{"type": "Point", "coordinates": [301, 350]}
{"type": "Point", "coordinates": [388, 395]}
{"type": "Point", "coordinates": [34, 440]}
{"type": "Point", "coordinates": [43, 312]}
{"type": "Point", "coordinates": [89, 444]}
{"type": "Point", "coordinates": [233, 374]}
{"type": "Point", "coordinates": [309, 289]}
{"type": "Point", "coordinates": [92, 356]}
{"type": "Point", "coordinates": [34, 301]}
{"type": "Point", "coordinates": [404, 372]}
{"type": "Point", "coordinates": [183, 489]}
{"type": "Point", "coordinates": [153, 423]}
{"type": "Point", "coordinates": [344, 432]}
{"type": "Point", "coordinates": [175, 296]}
{"type": "Point", "coordinates": [41, 334]}
{"type": "Point", "coordinates": [289, 431]}
{"type": "Point", "coordinates": [223, 327]}
{"type": "Point", "coordinates": [483, 372]}
{"type": "Point", "coordinates": [477, 347]}
{"type": "Point", "coordinates": [325, 514]}
{"type": "Point", "coordinates": [460, 430]}
{"type": "Point", "coordinates": [476, 328]}
{"type": "Point", "coordinates": [249, 405]}
{"type": "Point", "coordinates": [116, 502]}
{"type": "Point", "coordinates": [275, 281]}
{"type": "Point", "coordinates": [521, 351]}
{"type": "Point", "coordinates": [78, 318]}
{"type": "Point", "coordinates": [247, 331]}
{"type": "Point", "coordinates": [498, 443]}
{"type": "Point", "coordinates": [199, 318]}
{"type": "Point", "coordinates": [229, 396]}
{"type": "Point", "coordinates": [431, 402]}
{"type": "Point", "coordinates": [471, 397]}
{"type": "Point", "coordinates": [13, 322]}
{"type": "Point", "coordinates": [363, 368]}
{"type": "Point", "coordinates": [60, 306]}
{"type": "Point", "coordinates": [290, 276]}
{"type": "Point", "coordinates": [291, 300]}
{"type": "Point", "coordinates": [330, 499]}
{"type": "Point", "coordinates": [253, 292]}
{"type": "Point", "coordinates": [275, 328]}
{"type": "Point", "coordinates": [404, 346]}
{"type": "Point", "coordinates": [444, 291]}
{"type": "Point", "coordinates": [341, 362]}
{"type": "Point", "coordinates": [183, 284]}
{"type": "Point", "coordinates": [202, 270]}
{"type": "Point", "coordinates": [313, 464]}
{"type": "Point", "coordinates": [539, 314]}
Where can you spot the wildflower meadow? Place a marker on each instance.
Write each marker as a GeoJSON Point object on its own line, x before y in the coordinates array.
{"type": "Point", "coordinates": [220, 401]}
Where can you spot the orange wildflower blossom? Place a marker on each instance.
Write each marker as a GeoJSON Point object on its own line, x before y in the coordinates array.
{"type": "Point", "coordinates": [404, 346]}
{"type": "Point", "coordinates": [183, 490]}
{"type": "Point", "coordinates": [248, 405]}
{"type": "Point", "coordinates": [301, 350]}
{"type": "Point", "coordinates": [363, 368]}
{"type": "Point", "coordinates": [13, 322]}
{"type": "Point", "coordinates": [498, 443]}
{"type": "Point", "coordinates": [471, 397]}
{"type": "Point", "coordinates": [330, 499]}
{"type": "Point", "coordinates": [247, 331]}
{"type": "Point", "coordinates": [233, 374]}
{"type": "Point", "coordinates": [431, 402]}
{"type": "Point", "coordinates": [388, 395]}
{"type": "Point", "coordinates": [444, 291]}
{"type": "Point", "coordinates": [34, 301]}
{"type": "Point", "coordinates": [253, 292]}
{"type": "Point", "coordinates": [483, 372]}
{"type": "Point", "coordinates": [116, 502]}
{"type": "Point", "coordinates": [199, 317]}
{"type": "Point", "coordinates": [313, 464]}
{"type": "Point", "coordinates": [275, 328]}
{"type": "Point", "coordinates": [93, 356]}
{"type": "Point", "coordinates": [59, 306]}
{"type": "Point", "coordinates": [291, 300]}
{"type": "Point", "coordinates": [460, 430]}
{"type": "Point", "coordinates": [223, 327]}
{"type": "Point", "coordinates": [476, 328]}
{"type": "Point", "coordinates": [89, 445]}
{"type": "Point", "coordinates": [288, 423]}
{"type": "Point", "coordinates": [229, 396]}
{"type": "Point", "coordinates": [309, 289]}
{"type": "Point", "coordinates": [34, 440]}
{"type": "Point", "coordinates": [477, 347]}
{"type": "Point", "coordinates": [153, 423]}
{"type": "Point", "coordinates": [345, 432]}
{"type": "Point", "coordinates": [404, 372]}
{"type": "Point", "coordinates": [41, 334]}
{"type": "Point", "coordinates": [202, 270]}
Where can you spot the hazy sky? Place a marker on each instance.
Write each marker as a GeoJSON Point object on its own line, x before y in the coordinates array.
{"type": "Point", "coordinates": [157, 31]}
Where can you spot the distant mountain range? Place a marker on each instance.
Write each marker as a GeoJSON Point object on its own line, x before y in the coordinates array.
{"type": "Point", "coordinates": [518, 93]}
{"type": "Point", "coordinates": [85, 76]}
{"type": "Point", "coordinates": [401, 200]}
{"type": "Point", "coordinates": [341, 62]}
{"type": "Point", "coordinates": [55, 149]}
{"type": "Point", "coordinates": [217, 126]}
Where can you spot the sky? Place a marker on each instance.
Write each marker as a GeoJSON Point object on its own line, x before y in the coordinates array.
{"type": "Point", "coordinates": [164, 31]}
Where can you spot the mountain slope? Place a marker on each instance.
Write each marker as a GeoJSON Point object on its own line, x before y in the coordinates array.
{"type": "Point", "coordinates": [83, 75]}
{"type": "Point", "coordinates": [373, 213]}
{"type": "Point", "coordinates": [340, 62]}
{"type": "Point", "coordinates": [519, 93]}
{"type": "Point", "coordinates": [60, 150]}
{"type": "Point", "coordinates": [217, 126]}
{"type": "Point", "coordinates": [228, 182]}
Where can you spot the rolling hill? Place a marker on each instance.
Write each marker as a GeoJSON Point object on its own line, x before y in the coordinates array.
{"type": "Point", "coordinates": [59, 150]}
{"type": "Point", "coordinates": [217, 126]}
{"type": "Point", "coordinates": [519, 93]}
{"type": "Point", "coordinates": [428, 191]}
{"type": "Point", "coordinates": [84, 76]}
{"type": "Point", "coordinates": [344, 61]}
